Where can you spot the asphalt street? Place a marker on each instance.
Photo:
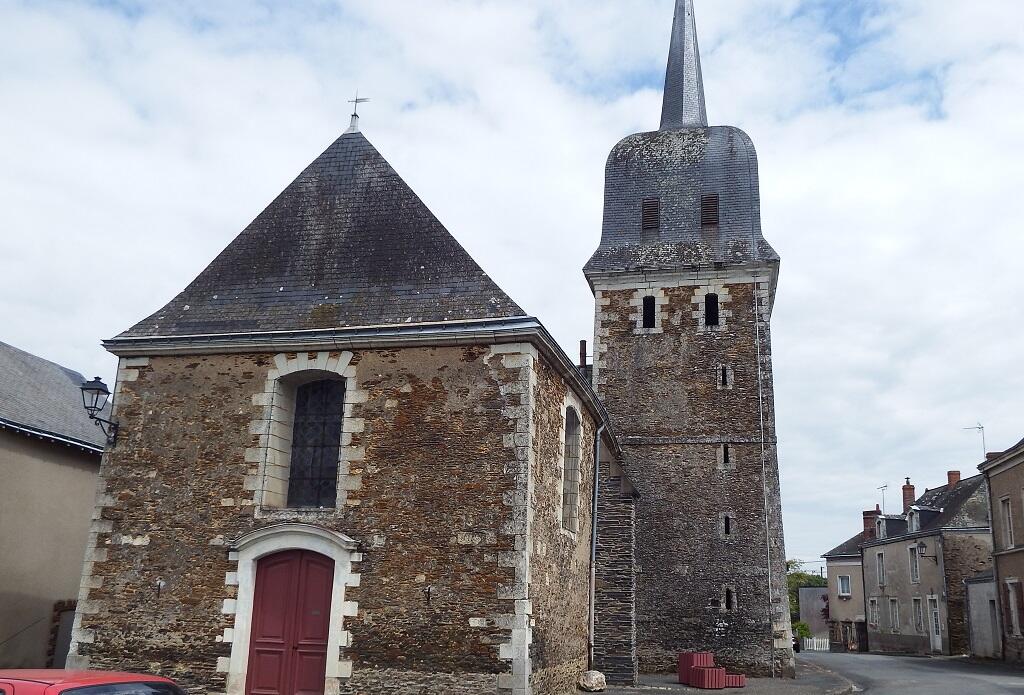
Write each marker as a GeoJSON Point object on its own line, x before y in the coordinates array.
{"type": "Point", "coordinates": [904, 675]}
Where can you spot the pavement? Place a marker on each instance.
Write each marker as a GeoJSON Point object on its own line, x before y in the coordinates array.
{"type": "Point", "coordinates": [823, 673]}
{"type": "Point", "coordinates": [811, 679]}
{"type": "Point", "coordinates": [920, 675]}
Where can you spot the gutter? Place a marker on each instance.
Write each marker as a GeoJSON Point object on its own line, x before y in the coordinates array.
{"type": "Point", "coordinates": [593, 549]}
{"type": "Point", "coordinates": [450, 333]}
{"type": "Point", "coordinates": [50, 436]}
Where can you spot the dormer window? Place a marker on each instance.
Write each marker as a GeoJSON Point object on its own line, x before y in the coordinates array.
{"type": "Point", "coordinates": [880, 528]}
{"type": "Point", "coordinates": [709, 210]}
{"type": "Point", "coordinates": [913, 522]}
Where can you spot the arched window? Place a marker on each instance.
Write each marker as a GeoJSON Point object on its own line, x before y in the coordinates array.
{"type": "Point", "coordinates": [316, 444]}
{"type": "Point", "coordinates": [649, 309]}
{"type": "Point", "coordinates": [571, 472]}
{"type": "Point", "coordinates": [711, 309]}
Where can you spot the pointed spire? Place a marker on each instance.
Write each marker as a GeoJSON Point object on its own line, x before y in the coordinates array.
{"type": "Point", "coordinates": [683, 105]}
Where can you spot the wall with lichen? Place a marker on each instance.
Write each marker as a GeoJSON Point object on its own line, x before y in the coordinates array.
{"type": "Point", "coordinates": [434, 489]}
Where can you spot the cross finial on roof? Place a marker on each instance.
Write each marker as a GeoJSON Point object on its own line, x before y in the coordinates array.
{"type": "Point", "coordinates": [683, 105]}
{"type": "Point", "coordinates": [353, 126]}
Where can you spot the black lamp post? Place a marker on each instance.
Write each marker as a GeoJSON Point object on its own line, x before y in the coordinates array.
{"type": "Point", "coordinates": [94, 397]}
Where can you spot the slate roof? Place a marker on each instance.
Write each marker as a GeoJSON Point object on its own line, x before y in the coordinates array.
{"type": "Point", "coordinates": [850, 547]}
{"type": "Point", "coordinates": [347, 243]}
{"type": "Point", "coordinates": [41, 398]}
{"type": "Point", "coordinates": [679, 164]}
{"type": "Point", "coordinates": [961, 506]}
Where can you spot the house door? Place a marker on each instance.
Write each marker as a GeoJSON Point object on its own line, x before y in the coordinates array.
{"type": "Point", "coordinates": [290, 622]}
{"type": "Point", "coordinates": [935, 625]}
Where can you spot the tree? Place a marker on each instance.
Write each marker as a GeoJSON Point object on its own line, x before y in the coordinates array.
{"type": "Point", "coordinates": [796, 579]}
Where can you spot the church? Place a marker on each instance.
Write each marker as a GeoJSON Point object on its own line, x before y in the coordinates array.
{"type": "Point", "coordinates": [348, 462]}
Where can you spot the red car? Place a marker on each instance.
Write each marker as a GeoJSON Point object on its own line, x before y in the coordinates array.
{"type": "Point", "coordinates": [54, 681]}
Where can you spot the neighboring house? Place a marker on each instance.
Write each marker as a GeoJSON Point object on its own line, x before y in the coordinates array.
{"type": "Point", "coordinates": [1005, 475]}
{"type": "Point", "coordinates": [847, 626]}
{"type": "Point", "coordinates": [344, 427]}
{"type": "Point", "coordinates": [914, 570]}
{"type": "Point", "coordinates": [49, 458]}
{"type": "Point", "coordinates": [814, 606]}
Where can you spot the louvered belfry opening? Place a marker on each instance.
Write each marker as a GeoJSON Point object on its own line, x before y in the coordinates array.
{"type": "Point", "coordinates": [649, 309]}
{"type": "Point", "coordinates": [709, 210]}
{"type": "Point", "coordinates": [316, 444]}
{"type": "Point", "coordinates": [711, 309]}
{"type": "Point", "coordinates": [650, 219]}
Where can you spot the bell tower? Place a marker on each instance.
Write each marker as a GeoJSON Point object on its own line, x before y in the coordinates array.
{"type": "Point", "coordinates": [684, 285]}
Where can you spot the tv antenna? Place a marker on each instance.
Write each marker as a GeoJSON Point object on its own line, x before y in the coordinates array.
{"type": "Point", "coordinates": [981, 428]}
{"type": "Point", "coordinates": [883, 489]}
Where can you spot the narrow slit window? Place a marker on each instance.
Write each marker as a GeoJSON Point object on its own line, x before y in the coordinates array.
{"type": "Point", "coordinates": [728, 525]}
{"type": "Point", "coordinates": [709, 210]}
{"type": "Point", "coordinates": [650, 214]}
{"type": "Point", "coordinates": [571, 472]}
{"type": "Point", "coordinates": [724, 375]}
{"type": "Point", "coordinates": [711, 309]}
{"type": "Point", "coordinates": [649, 309]}
{"type": "Point", "coordinates": [730, 600]}
{"type": "Point", "coordinates": [726, 455]}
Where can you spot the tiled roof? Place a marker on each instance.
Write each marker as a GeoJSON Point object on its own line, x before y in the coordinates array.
{"type": "Point", "coordinates": [43, 399]}
{"type": "Point", "coordinates": [960, 507]}
{"type": "Point", "coordinates": [847, 548]}
{"type": "Point", "coordinates": [347, 243]}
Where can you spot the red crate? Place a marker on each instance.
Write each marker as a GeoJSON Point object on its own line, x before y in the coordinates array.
{"type": "Point", "coordinates": [707, 677]}
{"type": "Point", "coordinates": [689, 660]}
{"type": "Point", "coordinates": [733, 680]}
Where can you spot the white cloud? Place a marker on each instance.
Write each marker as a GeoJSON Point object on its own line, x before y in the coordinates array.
{"type": "Point", "coordinates": [137, 143]}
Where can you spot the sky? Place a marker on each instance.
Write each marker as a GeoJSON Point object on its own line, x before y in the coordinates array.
{"type": "Point", "coordinates": [138, 138]}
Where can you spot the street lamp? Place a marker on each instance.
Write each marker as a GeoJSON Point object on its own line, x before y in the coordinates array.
{"type": "Point", "coordinates": [94, 397]}
{"type": "Point", "coordinates": [922, 547]}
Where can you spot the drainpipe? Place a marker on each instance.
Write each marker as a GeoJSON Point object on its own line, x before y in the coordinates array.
{"type": "Point", "coordinates": [593, 547]}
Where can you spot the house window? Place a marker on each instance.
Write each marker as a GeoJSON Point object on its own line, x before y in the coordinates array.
{"type": "Point", "coordinates": [873, 611]}
{"type": "Point", "coordinates": [844, 585]}
{"type": "Point", "coordinates": [316, 444]}
{"type": "Point", "coordinates": [724, 376]}
{"type": "Point", "coordinates": [913, 522]}
{"type": "Point", "coordinates": [571, 472]}
{"type": "Point", "coordinates": [880, 528]}
{"type": "Point", "coordinates": [1006, 516]}
{"type": "Point", "coordinates": [880, 568]}
{"type": "Point", "coordinates": [915, 567]}
{"type": "Point", "coordinates": [894, 614]}
{"type": "Point", "coordinates": [918, 616]}
{"type": "Point", "coordinates": [649, 312]}
{"type": "Point", "coordinates": [711, 309]}
{"type": "Point", "coordinates": [709, 210]}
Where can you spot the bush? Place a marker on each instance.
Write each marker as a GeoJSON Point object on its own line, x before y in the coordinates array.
{"type": "Point", "coordinates": [801, 630]}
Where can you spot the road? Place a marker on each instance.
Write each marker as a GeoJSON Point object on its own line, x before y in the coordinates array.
{"type": "Point", "coordinates": [905, 675]}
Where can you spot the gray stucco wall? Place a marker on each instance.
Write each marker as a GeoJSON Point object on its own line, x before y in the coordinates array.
{"type": "Point", "coordinates": [46, 499]}
{"type": "Point", "coordinates": [983, 620]}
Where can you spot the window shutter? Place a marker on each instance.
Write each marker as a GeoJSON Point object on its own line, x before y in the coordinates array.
{"type": "Point", "coordinates": [709, 210]}
{"type": "Point", "coordinates": [1018, 588]}
{"type": "Point", "coordinates": [650, 214]}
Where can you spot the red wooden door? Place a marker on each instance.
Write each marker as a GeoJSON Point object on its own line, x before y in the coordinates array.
{"type": "Point", "coordinates": [290, 620]}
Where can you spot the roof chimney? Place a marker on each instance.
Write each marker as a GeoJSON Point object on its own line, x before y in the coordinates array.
{"type": "Point", "coordinates": [870, 516]}
{"type": "Point", "coordinates": [908, 496]}
{"type": "Point", "coordinates": [952, 478]}
{"type": "Point", "coordinates": [583, 353]}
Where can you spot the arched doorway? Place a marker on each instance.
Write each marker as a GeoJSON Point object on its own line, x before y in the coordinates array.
{"type": "Point", "coordinates": [290, 627]}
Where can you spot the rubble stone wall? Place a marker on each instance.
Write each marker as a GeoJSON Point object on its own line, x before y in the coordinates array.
{"type": "Point", "coordinates": [438, 443]}
{"type": "Point", "coordinates": [693, 447]}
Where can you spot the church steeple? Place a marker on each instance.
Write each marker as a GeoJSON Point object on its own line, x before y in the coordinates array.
{"type": "Point", "coordinates": [683, 105]}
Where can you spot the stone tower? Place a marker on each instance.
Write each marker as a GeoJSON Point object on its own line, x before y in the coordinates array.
{"type": "Point", "coordinates": [684, 285]}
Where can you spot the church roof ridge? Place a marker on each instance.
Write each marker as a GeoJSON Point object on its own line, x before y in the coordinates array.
{"type": "Point", "coordinates": [683, 104]}
{"type": "Point", "coordinates": [347, 243]}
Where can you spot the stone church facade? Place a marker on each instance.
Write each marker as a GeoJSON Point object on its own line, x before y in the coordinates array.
{"type": "Point", "coordinates": [348, 462]}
